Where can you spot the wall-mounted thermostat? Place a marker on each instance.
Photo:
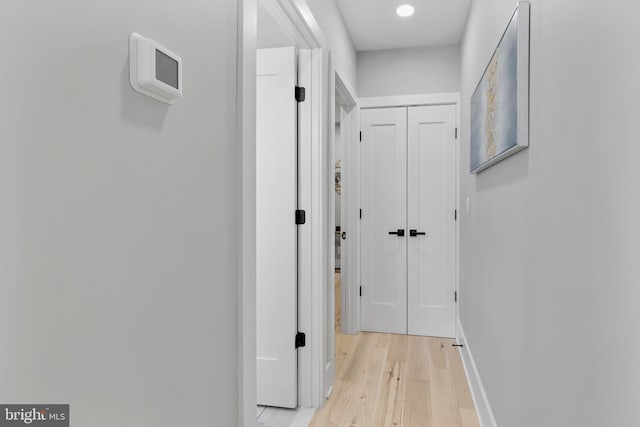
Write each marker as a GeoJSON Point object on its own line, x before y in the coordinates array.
{"type": "Point", "coordinates": [154, 70]}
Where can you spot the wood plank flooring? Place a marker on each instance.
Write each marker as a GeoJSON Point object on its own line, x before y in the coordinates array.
{"type": "Point", "coordinates": [397, 380]}
{"type": "Point", "coordinates": [338, 296]}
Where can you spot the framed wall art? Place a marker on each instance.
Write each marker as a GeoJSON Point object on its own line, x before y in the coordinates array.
{"type": "Point", "coordinates": [500, 102]}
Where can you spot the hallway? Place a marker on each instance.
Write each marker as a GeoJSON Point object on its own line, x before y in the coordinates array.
{"type": "Point", "coordinates": [397, 380]}
{"type": "Point", "coordinates": [180, 182]}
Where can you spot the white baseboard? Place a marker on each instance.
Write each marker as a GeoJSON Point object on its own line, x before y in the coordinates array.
{"type": "Point", "coordinates": [480, 400]}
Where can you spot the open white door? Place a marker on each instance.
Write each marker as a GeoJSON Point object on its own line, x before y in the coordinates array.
{"type": "Point", "coordinates": [431, 202]}
{"type": "Point", "coordinates": [276, 231]}
{"type": "Point", "coordinates": [384, 218]}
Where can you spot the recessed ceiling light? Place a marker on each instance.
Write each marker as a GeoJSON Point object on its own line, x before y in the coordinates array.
{"type": "Point", "coordinates": [405, 10]}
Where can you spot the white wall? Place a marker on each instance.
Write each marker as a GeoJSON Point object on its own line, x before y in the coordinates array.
{"type": "Point", "coordinates": [270, 33]}
{"type": "Point", "coordinates": [342, 49]}
{"type": "Point", "coordinates": [549, 251]}
{"type": "Point", "coordinates": [118, 215]}
{"type": "Point", "coordinates": [433, 69]}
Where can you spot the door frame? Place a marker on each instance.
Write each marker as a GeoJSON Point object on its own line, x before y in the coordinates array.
{"type": "Point", "coordinates": [346, 97]}
{"type": "Point", "coordinates": [423, 100]}
{"type": "Point", "coordinates": [296, 18]}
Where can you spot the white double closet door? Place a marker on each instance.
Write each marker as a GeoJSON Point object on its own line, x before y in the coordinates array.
{"type": "Point", "coordinates": [408, 186]}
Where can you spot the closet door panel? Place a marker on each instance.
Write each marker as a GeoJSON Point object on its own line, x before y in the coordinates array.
{"type": "Point", "coordinates": [431, 203]}
{"type": "Point", "coordinates": [384, 204]}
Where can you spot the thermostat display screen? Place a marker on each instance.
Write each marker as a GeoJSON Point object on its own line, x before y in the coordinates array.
{"type": "Point", "coordinates": [166, 69]}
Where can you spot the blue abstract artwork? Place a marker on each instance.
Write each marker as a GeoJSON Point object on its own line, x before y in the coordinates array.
{"type": "Point", "coordinates": [494, 104]}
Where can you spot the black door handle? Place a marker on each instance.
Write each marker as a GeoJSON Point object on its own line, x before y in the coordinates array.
{"type": "Point", "coordinates": [344, 235]}
{"type": "Point", "coordinates": [399, 233]}
{"type": "Point", "coordinates": [414, 233]}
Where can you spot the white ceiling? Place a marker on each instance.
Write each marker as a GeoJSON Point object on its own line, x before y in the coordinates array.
{"type": "Point", "coordinates": [373, 24]}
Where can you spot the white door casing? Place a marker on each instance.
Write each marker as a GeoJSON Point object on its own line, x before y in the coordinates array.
{"type": "Point", "coordinates": [276, 231]}
{"type": "Point", "coordinates": [384, 204]}
{"type": "Point", "coordinates": [431, 206]}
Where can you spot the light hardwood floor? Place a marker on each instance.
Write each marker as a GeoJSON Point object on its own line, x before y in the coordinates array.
{"type": "Point", "coordinates": [338, 302]}
{"type": "Point", "coordinates": [397, 380]}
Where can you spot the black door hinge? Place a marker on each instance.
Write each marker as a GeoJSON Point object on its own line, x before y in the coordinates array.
{"type": "Point", "coordinates": [300, 94]}
{"type": "Point", "coordinates": [455, 296]}
{"type": "Point", "coordinates": [456, 133]}
{"type": "Point", "coordinates": [301, 340]}
{"type": "Point", "coordinates": [455, 215]}
{"type": "Point", "coordinates": [360, 213]}
{"type": "Point", "coordinates": [360, 290]}
{"type": "Point", "coordinates": [301, 217]}
{"type": "Point", "coordinates": [360, 136]}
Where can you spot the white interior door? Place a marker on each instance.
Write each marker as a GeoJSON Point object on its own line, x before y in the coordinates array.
{"type": "Point", "coordinates": [276, 231]}
{"type": "Point", "coordinates": [384, 204]}
{"type": "Point", "coordinates": [431, 205]}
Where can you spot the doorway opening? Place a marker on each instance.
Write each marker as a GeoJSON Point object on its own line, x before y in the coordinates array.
{"type": "Point", "coordinates": [339, 155]}
{"type": "Point", "coordinates": [281, 244]}
{"type": "Point", "coordinates": [289, 190]}
{"type": "Point", "coordinates": [409, 187]}
{"type": "Point", "coordinates": [347, 213]}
